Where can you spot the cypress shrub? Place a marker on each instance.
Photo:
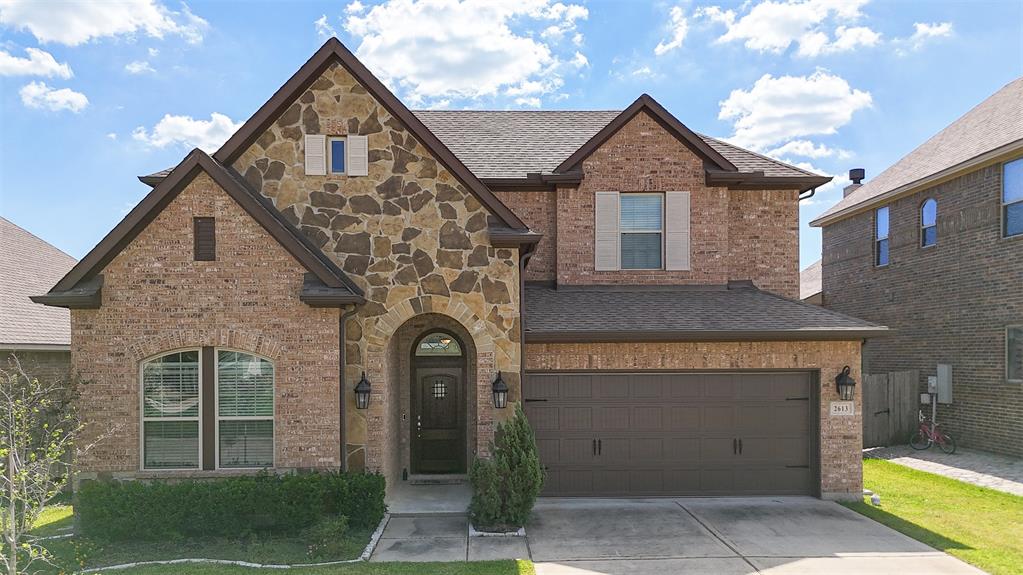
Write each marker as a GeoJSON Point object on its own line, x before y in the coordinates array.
{"type": "Point", "coordinates": [506, 486]}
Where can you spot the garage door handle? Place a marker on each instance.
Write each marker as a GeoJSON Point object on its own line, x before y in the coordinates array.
{"type": "Point", "coordinates": [882, 411]}
{"type": "Point", "coordinates": [533, 400]}
{"type": "Point", "coordinates": [735, 446]}
{"type": "Point", "coordinates": [594, 447]}
{"type": "Point", "coordinates": [740, 447]}
{"type": "Point", "coordinates": [600, 446]}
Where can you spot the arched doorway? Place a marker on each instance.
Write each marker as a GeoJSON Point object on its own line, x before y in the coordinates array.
{"type": "Point", "coordinates": [438, 403]}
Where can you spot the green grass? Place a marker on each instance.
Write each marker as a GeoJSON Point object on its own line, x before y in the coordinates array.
{"type": "Point", "coordinates": [53, 520]}
{"type": "Point", "coordinates": [981, 526]}
{"type": "Point", "coordinates": [520, 567]}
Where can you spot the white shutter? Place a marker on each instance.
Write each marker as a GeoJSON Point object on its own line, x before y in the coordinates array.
{"type": "Point", "coordinates": [676, 231]}
{"type": "Point", "coordinates": [316, 155]}
{"type": "Point", "coordinates": [605, 251]}
{"type": "Point", "coordinates": [358, 156]}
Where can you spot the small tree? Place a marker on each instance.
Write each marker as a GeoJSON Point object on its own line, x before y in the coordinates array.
{"type": "Point", "coordinates": [505, 486]}
{"type": "Point", "coordinates": [38, 425]}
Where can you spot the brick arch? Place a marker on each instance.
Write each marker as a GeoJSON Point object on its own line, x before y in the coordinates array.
{"type": "Point", "coordinates": [252, 341]}
{"type": "Point", "coordinates": [482, 332]}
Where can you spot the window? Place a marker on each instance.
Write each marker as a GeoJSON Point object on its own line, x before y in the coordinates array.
{"type": "Point", "coordinates": [336, 147]}
{"type": "Point", "coordinates": [881, 236]}
{"type": "Point", "coordinates": [929, 222]}
{"type": "Point", "coordinates": [170, 411]}
{"type": "Point", "coordinates": [179, 419]}
{"type": "Point", "coordinates": [438, 344]}
{"type": "Point", "coordinates": [641, 223]}
{"type": "Point", "coordinates": [1014, 353]}
{"type": "Point", "coordinates": [204, 239]}
{"type": "Point", "coordinates": [1012, 198]}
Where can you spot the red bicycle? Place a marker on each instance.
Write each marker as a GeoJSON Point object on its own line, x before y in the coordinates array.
{"type": "Point", "coordinates": [929, 434]}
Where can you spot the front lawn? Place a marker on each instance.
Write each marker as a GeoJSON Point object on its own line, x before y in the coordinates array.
{"type": "Point", "coordinates": [520, 567]}
{"type": "Point", "coordinates": [978, 525]}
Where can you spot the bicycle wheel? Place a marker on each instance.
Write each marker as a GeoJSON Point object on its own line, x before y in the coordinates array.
{"type": "Point", "coordinates": [919, 441]}
{"type": "Point", "coordinates": [946, 443]}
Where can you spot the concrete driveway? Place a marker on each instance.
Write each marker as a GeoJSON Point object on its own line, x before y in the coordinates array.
{"type": "Point", "coordinates": [727, 536]}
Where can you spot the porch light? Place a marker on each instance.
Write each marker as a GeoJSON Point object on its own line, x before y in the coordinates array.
{"type": "Point", "coordinates": [362, 393]}
{"type": "Point", "coordinates": [500, 392]}
{"type": "Point", "coordinates": [845, 384]}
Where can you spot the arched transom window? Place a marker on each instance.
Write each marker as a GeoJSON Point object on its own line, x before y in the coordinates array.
{"type": "Point", "coordinates": [438, 344]}
{"type": "Point", "coordinates": [192, 419]}
{"type": "Point", "coordinates": [929, 222]}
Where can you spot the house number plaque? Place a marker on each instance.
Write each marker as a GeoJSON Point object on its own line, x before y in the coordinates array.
{"type": "Point", "coordinates": [841, 408]}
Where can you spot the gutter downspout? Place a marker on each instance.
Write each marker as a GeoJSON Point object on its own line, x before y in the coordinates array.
{"type": "Point", "coordinates": [808, 196]}
{"type": "Point", "coordinates": [524, 255]}
{"type": "Point", "coordinates": [343, 356]}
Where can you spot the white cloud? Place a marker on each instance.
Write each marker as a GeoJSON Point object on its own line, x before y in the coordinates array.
{"type": "Point", "coordinates": [138, 67]}
{"type": "Point", "coordinates": [923, 33]}
{"type": "Point", "coordinates": [112, 135]}
{"type": "Point", "coordinates": [154, 52]}
{"type": "Point", "coordinates": [579, 60]}
{"type": "Point", "coordinates": [355, 7]}
{"type": "Point", "coordinates": [643, 72]}
{"type": "Point", "coordinates": [446, 49]}
{"type": "Point", "coordinates": [679, 26]}
{"type": "Point", "coordinates": [775, 25]}
{"type": "Point", "coordinates": [188, 132]}
{"type": "Point", "coordinates": [778, 109]}
{"type": "Point", "coordinates": [40, 96]}
{"type": "Point", "coordinates": [323, 28]}
{"type": "Point", "coordinates": [78, 22]}
{"type": "Point", "coordinates": [38, 63]}
{"type": "Point", "coordinates": [532, 102]}
{"type": "Point", "coordinates": [807, 149]}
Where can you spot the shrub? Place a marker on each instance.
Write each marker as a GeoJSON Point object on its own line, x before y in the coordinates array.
{"type": "Point", "coordinates": [226, 507]}
{"type": "Point", "coordinates": [505, 486]}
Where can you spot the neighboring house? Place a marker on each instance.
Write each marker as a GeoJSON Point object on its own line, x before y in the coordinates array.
{"type": "Point", "coordinates": [933, 248]}
{"type": "Point", "coordinates": [810, 284]}
{"type": "Point", "coordinates": [38, 335]}
{"type": "Point", "coordinates": [339, 242]}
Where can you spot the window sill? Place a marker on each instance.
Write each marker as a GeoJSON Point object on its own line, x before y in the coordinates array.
{"type": "Point", "coordinates": [198, 473]}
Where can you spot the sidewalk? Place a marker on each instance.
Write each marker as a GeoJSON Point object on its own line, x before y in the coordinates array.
{"type": "Point", "coordinates": [990, 470]}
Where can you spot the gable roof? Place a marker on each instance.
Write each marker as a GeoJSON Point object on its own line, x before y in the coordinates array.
{"type": "Point", "coordinates": [30, 266]}
{"type": "Point", "coordinates": [811, 280]}
{"type": "Point", "coordinates": [334, 51]}
{"type": "Point", "coordinates": [670, 123]}
{"type": "Point", "coordinates": [312, 258]}
{"type": "Point", "coordinates": [990, 130]}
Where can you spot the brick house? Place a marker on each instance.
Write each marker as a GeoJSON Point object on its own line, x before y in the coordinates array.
{"type": "Point", "coordinates": [39, 336]}
{"type": "Point", "coordinates": [632, 283]}
{"type": "Point", "coordinates": [933, 248]}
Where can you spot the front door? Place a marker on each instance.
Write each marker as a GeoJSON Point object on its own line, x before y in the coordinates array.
{"type": "Point", "coordinates": [438, 438]}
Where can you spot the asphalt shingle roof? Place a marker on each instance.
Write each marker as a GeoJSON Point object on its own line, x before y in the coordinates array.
{"type": "Point", "coordinates": [680, 312]}
{"type": "Point", "coordinates": [994, 123]}
{"type": "Point", "coordinates": [30, 266]}
{"type": "Point", "coordinates": [810, 280]}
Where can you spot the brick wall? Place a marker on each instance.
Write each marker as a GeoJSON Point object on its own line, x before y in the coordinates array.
{"type": "Point", "coordinates": [52, 366]}
{"type": "Point", "coordinates": [157, 299]}
{"type": "Point", "coordinates": [949, 303]}
{"type": "Point", "coordinates": [735, 234]}
{"type": "Point", "coordinates": [841, 438]}
{"type": "Point", "coordinates": [539, 210]}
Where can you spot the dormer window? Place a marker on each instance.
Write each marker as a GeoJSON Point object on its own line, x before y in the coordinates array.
{"type": "Point", "coordinates": [336, 150]}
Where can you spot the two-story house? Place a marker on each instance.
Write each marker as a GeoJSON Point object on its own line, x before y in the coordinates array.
{"type": "Point", "coordinates": [349, 284]}
{"type": "Point", "coordinates": [933, 248]}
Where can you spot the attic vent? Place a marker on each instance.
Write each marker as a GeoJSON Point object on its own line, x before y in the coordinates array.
{"type": "Point", "coordinates": [205, 239]}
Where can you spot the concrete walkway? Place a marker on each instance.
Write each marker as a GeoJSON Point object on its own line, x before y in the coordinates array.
{"type": "Point", "coordinates": [728, 536]}
{"type": "Point", "coordinates": [977, 467]}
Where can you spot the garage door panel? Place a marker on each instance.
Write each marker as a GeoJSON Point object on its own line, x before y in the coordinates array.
{"type": "Point", "coordinates": [672, 434]}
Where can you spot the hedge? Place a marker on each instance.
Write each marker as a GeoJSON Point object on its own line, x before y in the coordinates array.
{"type": "Point", "coordinates": [226, 507]}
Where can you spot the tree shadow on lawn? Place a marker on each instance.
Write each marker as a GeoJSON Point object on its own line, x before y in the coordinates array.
{"type": "Point", "coordinates": [918, 532]}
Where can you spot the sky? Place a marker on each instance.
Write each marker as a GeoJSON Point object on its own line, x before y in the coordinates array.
{"type": "Point", "coordinates": [93, 94]}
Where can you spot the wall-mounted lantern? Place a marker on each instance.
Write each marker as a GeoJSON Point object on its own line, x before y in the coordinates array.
{"type": "Point", "coordinates": [500, 392]}
{"type": "Point", "coordinates": [846, 385]}
{"type": "Point", "coordinates": [362, 393]}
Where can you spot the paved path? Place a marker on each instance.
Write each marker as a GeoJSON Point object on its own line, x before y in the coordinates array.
{"type": "Point", "coordinates": [977, 467]}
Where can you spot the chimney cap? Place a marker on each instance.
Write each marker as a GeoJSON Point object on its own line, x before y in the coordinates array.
{"type": "Point", "coordinates": [857, 175]}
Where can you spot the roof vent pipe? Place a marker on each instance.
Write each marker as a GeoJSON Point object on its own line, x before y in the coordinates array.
{"type": "Point", "coordinates": [856, 175]}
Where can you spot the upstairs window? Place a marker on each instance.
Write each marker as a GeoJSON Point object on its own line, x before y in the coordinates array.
{"type": "Point", "coordinates": [336, 149]}
{"type": "Point", "coordinates": [929, 223]}
{"type": "Point", "coordinates": [881, 236]}
{"type": "Point", "coordinates": [1012, 198]}
{"type": "Point", "coordinates": [642, 226]}
{"type": "Point", "coordinates": [1014, 353]}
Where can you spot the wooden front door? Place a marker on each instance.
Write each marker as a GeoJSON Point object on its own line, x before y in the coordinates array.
{"type": "Point", "coordinates": [438, 420]}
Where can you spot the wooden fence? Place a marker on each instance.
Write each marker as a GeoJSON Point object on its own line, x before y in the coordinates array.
{"type": "Point", "coordinates": [890, 405]}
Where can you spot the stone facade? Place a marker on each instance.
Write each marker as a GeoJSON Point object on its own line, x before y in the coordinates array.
{"type": "Point", "coordinates": [948, 303]}
{"type": "Point", "coordinates": [735, 234]}
{"type": "Point", "coordinates": [411, 235]}
{"type": "Point", "coordinates": [156, 299]}
{"type": "Point", "coordinates": [841, 437]}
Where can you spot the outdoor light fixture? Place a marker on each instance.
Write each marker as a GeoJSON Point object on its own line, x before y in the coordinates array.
{"type": "Point", "coordinates": [500, 392]}
{"type": "Point", "coordinates": [845, 384]}
{"type": "Point", "coordinates": [362, 393]}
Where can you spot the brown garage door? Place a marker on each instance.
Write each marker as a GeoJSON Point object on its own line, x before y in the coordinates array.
{"type": "Point", "coordinates": [642, 434]}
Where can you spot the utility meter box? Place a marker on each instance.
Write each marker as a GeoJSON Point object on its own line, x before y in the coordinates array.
{"type": "Point", "coordinates": [944, 383]}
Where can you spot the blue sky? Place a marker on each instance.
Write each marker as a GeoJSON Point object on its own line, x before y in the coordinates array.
{"type": "Point", "coordinates": [94, 94]}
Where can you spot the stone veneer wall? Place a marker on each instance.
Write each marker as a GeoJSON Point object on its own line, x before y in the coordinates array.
{"type": "Point", "coordinates": [156, 298]}
{"type": "Point", "coordinates": [409, 233]}
{"type": "Point", "coordinates": [735, 234]}
{"type": "Point", "coordinates": [841, 438]}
